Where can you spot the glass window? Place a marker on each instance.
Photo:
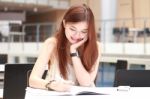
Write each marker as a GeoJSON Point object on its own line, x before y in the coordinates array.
{"type": "Point", "coordinates": [137, 67]}
{"type": "Point", "coordinates": [31, 59]}
{"type": "Point", "coordinates": [42, 2]}
{"type": "Point", "coordinates": [106, 74]}
{"type": "Point", "coordinates": [31, 1]}
{"type": "Point", "coordinates": [19, 1]}
{"type": "Point", "coordinates": [16, 59]}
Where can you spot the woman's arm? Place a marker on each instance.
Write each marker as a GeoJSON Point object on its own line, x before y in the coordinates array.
{"type": "Point", "coordinates": [35, 79]}
{"type": "Point", "coordinates": [85, 78]}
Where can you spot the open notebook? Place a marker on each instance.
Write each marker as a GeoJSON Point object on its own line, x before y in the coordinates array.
{"type": "Point", "coordinates": [75, 90]}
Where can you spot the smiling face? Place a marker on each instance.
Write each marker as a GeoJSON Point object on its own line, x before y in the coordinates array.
{"type": "Point", "coordinates": [76, 31]}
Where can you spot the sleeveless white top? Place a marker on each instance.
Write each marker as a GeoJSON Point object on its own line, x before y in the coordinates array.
{"type": "Point", "coordinates": [54, 73]}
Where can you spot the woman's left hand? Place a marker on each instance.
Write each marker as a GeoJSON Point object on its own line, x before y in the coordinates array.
{"type": "Point", "coordinates": [73, 47]}
{"type": "Point", "coordinates": [62, 86]}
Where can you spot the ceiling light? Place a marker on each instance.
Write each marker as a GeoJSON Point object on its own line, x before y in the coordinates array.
{"type": "Point", "coordinates": [5, 8]}
{"type": "Point", "coordinates": [35, 9]}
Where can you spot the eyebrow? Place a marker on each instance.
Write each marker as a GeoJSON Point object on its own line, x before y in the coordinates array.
{"type": "Point", "coordinates": [76, 28]}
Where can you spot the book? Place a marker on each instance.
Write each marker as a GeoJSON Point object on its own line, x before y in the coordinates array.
{"type": "Point", "coordinates": [89, 93]}
{"type": "Point", "coordinates": [75, 90]}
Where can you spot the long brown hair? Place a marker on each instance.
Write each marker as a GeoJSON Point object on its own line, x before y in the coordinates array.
{"type": "Point", "coordinates": [89, 51]}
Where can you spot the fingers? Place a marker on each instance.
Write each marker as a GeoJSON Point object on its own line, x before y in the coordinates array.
{"type": "Point", "coordinates": [85, 39]}
{"type": "Point", "coordinates": [73, 47]}
{"type": "Point", "coordinates": [67, 85]}
{"type": "Point", "coordinates": [68, 82]}
{"type": "Point", "coordinates": [81, 42]}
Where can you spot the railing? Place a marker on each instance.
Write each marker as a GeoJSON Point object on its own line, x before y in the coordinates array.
{"type": "Point", "coordinates": [126, 36]}
{"type": "Point", "coordinates": [26, 33]}
{"type": "Point", "coordinates": [126, 30]}
{"type": "Point", "coordinates": [38, 32]}
{"type": "Point", "coordinates": [117, 36]}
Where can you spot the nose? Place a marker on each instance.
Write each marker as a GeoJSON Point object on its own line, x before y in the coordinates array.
{"type": "Point", "coordinates": [77, 34]}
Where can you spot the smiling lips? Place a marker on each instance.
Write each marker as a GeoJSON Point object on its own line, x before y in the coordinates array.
{"type": "Point", "coordinates": [76, 40]}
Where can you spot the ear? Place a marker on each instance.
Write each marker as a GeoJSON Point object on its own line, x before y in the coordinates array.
{"type": "Point", "coordinates": [64, 24]}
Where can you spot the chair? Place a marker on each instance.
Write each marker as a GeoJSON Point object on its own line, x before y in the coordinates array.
{"type": "Point", "coordinates": [133, 78]}
{"type": "Point", "coordinates": [15, 80]}
{"type": "Point", "coordinates": [3, 58]}
{"type": "Point", "coordinates": [121, 64]}
{"type": "Point", "coordinates": [147, 31]}
{"type": "Point", "coordinates": [117, 34]}
{"type": "Point", "coordinates": [116, 30]}
{"type": "Point", "coordinates": [124, 30]}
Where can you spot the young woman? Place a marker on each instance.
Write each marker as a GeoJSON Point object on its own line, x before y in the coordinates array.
{"type": "Point", "coordinates": [72, 55]}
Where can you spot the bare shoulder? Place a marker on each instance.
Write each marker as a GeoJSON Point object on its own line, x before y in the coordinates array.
{"type": "Point", "coordinates": [50, 42]}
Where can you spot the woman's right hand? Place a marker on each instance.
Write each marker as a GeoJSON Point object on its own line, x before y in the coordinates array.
{"type": "Point", "coordinates": [73, 47]}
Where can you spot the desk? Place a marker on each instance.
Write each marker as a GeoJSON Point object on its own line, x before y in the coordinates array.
{"type": "Point", "coordinates": [112, 93]}
{"type": "Point", "coordinates": [1, 93]}
{"type": "Point", "coordinates": [2, 67]}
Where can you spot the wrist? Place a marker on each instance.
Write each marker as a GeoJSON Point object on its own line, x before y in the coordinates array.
{"type": "Point", "coordinates": [74, 54]}
{"type": "Point", "coordinates": [73, 50]}
{"type": "Point", "coordinates": [48, 85]}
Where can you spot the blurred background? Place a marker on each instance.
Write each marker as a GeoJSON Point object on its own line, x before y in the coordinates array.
{"type": "Point", "coordinates": [122, 26]}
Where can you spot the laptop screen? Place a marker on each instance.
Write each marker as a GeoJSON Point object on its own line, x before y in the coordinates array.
{"type": "Point", "coordinates": [133, 78]}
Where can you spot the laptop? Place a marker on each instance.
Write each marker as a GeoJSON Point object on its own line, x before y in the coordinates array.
{"type": "Point", "coordinates": [133, 78]}
{"type": "Point", "coordinates": [15, 80]}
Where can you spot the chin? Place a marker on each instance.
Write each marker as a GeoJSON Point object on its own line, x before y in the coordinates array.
{"type": "Point", "coordinates": [72, 41]}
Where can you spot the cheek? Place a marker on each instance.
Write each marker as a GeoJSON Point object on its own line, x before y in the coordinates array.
{"type": "Point", "coordinates": [67, 33]}
{"type": "Point", "coordinates": [84, 36]}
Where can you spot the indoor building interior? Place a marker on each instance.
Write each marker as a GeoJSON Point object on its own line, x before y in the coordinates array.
{"type": "Point", "coordinates": [122, 27]}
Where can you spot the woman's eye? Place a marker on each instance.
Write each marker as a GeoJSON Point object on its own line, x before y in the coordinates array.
{"type": "Point", "coordinates": [84, 32]}
{"type": "Point", "coordinates": [72, 29]}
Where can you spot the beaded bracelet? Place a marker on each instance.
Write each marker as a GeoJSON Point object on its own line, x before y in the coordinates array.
{"type": "Point", "coordinates": [48, 87]}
